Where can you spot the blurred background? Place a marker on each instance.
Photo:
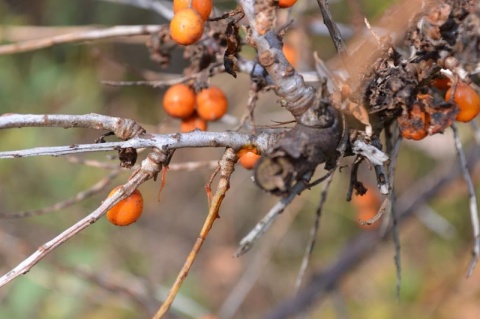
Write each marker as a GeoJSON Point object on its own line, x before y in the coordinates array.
{"type": "Point", "coordinates": [123, 272]}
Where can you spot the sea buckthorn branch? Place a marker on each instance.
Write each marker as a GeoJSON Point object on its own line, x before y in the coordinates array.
{"type": "Point", "coordinates": [125, 128]}
{"type": "Point", "coordinates": [122, 128]}
{"type": "Point", "coordinates": [148, 169]}
{"type": "Point", "coordinates": [82, 36]}
{"type": "Point", "coordinates": [289, 84]}
{"type": "Point", "coordinates": [227, 166]}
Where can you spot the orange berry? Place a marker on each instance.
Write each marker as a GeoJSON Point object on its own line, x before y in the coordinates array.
{"type": "Point", "coordinates": [367, 206]}
{"type": "Point", "coordinates": [467, 100]}
{"type": "Point", "coordinates": [290, 54]}
{"type": "Point", "coordinates": [248, 160]}
{"type": "Point", "coordinates": [370, 199]}
{"type": "Point", "coordinates": [286, 3]}
{"type": "Point", "coordinates": [186, 26]}
{"type": "Point", "coordinates": [414, 124]}
{"type": "Point", "coordinates": [193, 123]}
{"type": "Point", "coordinates": [211, 103]}
{"type": "Point", "coordinates": [128, 210]}
{"type": "Point", "coordinates": [203, 7]}
{"type": "Point", "coordinates": [179, 101]}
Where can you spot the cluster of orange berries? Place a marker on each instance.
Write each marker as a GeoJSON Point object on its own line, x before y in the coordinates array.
{"type": "Point", "coordinates": [416, 122]}
{"type": "Point", "coordinates": [189, 19]}
{"type": "Point", "coordinates": [180, 101]}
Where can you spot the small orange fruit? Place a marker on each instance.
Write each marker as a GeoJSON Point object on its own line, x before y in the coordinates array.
{"type": "Point", "coordinates": [248, 160]}
{"type": "Point", "coordinates": [186, 26]}
{"type": "Point", "coordinates": [179, 101]}
{"type": "Point", "coordinates": [212, 104]}
{"type": "Point", "coordinates": [290, 54]}
{"type": "Point", "coordinates": [367, 206]}
{"type": "Point", "coordinates": [286, 3]}
{"type": "Point", "coordinates": [128, 210]}
{"type": "Point", "coordinates": [370, 199]}
{"type": "Point", "coordinates": [414, 124]}
{"type": "Point", "coordinates": [467, 100]}
{"type": "Point", "coordinates": [193, 123]}
{"type": "Point", "coordinates": [203, 7]}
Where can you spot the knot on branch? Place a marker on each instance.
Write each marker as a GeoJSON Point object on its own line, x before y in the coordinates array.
{"type": "Point", "coordinates": [125, 129]}
{"type": "Point", "coordinates": [298, 152]}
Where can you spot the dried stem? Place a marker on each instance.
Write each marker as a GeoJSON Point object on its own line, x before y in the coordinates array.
{"type": "Point", "coordinates": [227, 166]}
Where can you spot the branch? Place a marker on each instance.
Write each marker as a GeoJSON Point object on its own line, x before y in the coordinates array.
{"type": "Point", "coordinates": [289, 84]}
{"type": "Point", "coordinates": [125, 129]}
{"type": "Point", "coordinates": [332, 27]}
{"type": "Point", "coordinates": [89, 35]}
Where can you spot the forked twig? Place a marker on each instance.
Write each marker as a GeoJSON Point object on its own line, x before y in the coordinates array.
{"type": "Point", "coordinates": [227, 166]}
{"type": "Point", "coordinates": [473, 201]}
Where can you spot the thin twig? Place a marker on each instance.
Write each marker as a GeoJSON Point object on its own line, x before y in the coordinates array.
{"type": "Point", "coordinates": [332, 27]}
{"type": "Point", "coordinates": [256, 266]}
{"type": "Point", "coordinates": [263, 225]}
{"type": "Point", "coordinates": [473, 201]}
{"type": "Point", "coordinates": [227, 166]}
{"type": "Point", "coordinates": [313, 234]}
{"type": "Point", "coordinates": [96, 188]}
{"type": "Point", "coordinates": [90, 35]}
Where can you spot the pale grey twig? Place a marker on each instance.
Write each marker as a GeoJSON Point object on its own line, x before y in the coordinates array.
{"type": "Point", "coordinates": [472, 199]}
{"type": "Point", "coordinates": [313, 234]}
{"type": "Point", "coordinates": [262, 226]}
{"type": "Point", "coordinates": [82, 36]}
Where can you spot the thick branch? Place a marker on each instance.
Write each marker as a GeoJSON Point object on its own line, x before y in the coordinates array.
{"type": "Point", "coordinates": [289, 84]}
